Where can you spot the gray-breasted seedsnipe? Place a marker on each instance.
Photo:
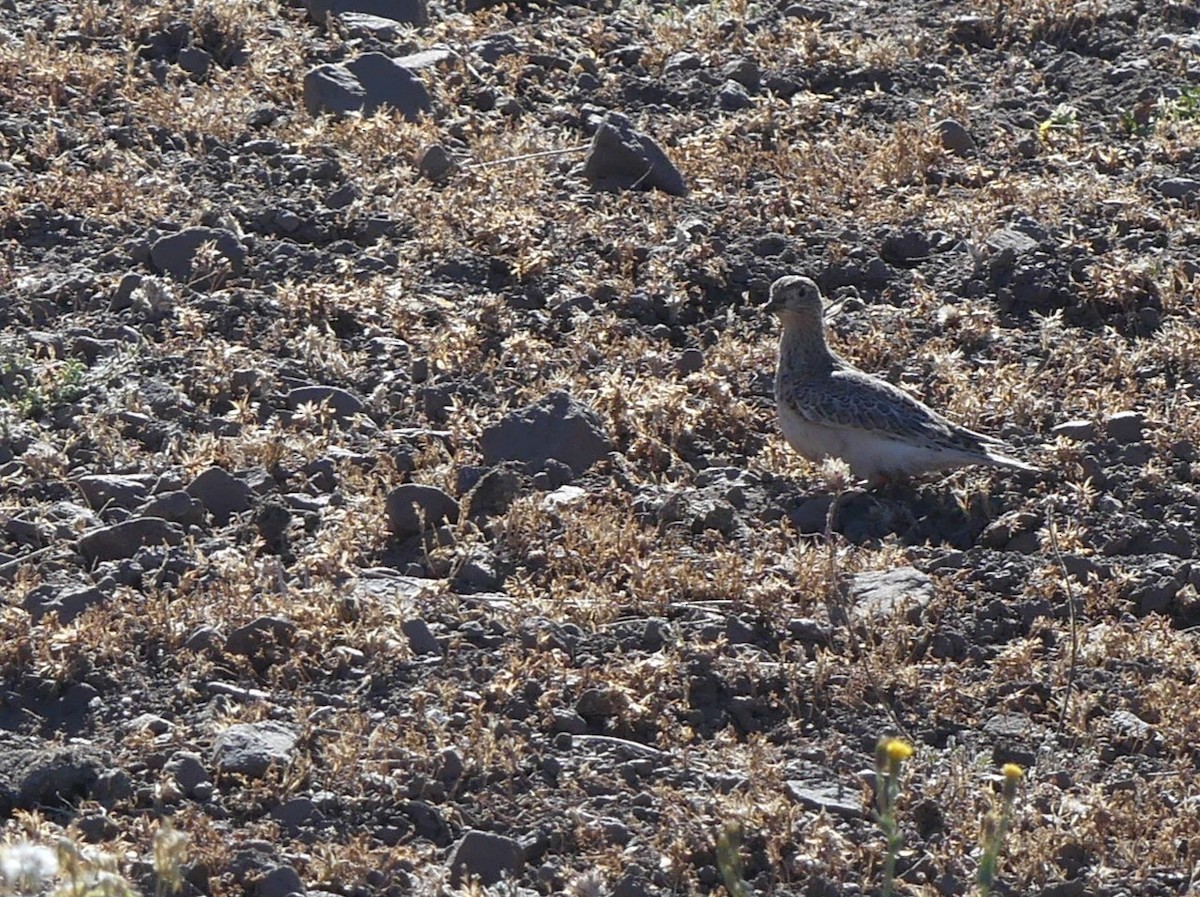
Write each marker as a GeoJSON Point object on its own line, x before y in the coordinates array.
{"type": "Point", "coordinates": [829, 408]}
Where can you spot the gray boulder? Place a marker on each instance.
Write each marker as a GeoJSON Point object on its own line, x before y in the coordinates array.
{"type": "Point", "coordinates": [485, 856]}
{"type": "Point", "coordinates": [622, 158]}
{"type": "Point", "coordinates": [250, 749]}
{"type": "Point", "coordinates": [556, 426]}
{"type": "Point", "coordinates": [411, 508]}
{"type": "Point", "coordinates": [221, 493]}
{"type": "Point", "coordinates": [122, 540]}
{"type": "Point", "coordinates": [343, 403]}
{"type": "Point", "coordinates": [366, 84]}
{"type": "Point", "coordinates": [175, 255]}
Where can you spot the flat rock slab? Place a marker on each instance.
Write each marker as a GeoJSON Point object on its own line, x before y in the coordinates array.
{"type": "Point", "coordinates": [120, 490]}
{"type": "Point", "coordinates": [829, 796]}
{"type": "Point", "coordinates": [342, 402]}
{"type": "Point", "coordinates": [250, 749]}
{"type": "Point", "coordinates": [409, 12]}
{"type": "Point", "coordinates": [122, 540]}
{"type": "Point", "coordinates": [878, 596]}
{"type": "Point", "coordinates": [623, 158]}
{"type": "Point", "coordinates": [67, 600]}
{"type": "Point", "coordinates": [556, 426]}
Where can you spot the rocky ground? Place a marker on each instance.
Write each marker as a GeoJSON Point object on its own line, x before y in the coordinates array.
{"type": "Point", "coordinates": [392, 500]}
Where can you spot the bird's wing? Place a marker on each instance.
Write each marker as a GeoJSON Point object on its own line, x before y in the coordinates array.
{"type": "Point", "coordinates": [853, 399]}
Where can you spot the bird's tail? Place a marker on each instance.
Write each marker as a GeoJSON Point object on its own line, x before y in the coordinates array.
{"type": "Point", "coordinates": [999, 459]}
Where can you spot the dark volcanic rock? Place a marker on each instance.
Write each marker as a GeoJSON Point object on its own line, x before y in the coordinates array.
{"type": "Point", "coordinates": [45, 775]}
{"type": "Point", "coordinates": [622, 158]}
{"type": "Point", "coordinates": [412, 508]}
{"type": "Point", "coordinates": [485, 856]}
{"type": "Point", "coordinates": [557, 426]}
{"type": "Point", "coordinates": [366, 84]}
{"type": "Point", "coordinates": [221, 493]}
{"type": "Point", "coordinates": [342, 402]}
{"type": "Point", "coordinates": [122, 540]}
{"type": "Point", "coordinates": [176, 255]}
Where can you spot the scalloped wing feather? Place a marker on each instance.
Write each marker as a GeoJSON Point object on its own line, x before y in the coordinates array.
{"type": "Point", "coordinates": [852, 399]}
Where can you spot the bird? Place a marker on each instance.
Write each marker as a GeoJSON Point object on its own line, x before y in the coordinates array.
{"type": "Point", "coordinates": [827, 407]}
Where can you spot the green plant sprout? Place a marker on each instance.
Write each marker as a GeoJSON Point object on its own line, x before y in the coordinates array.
{"type": "Point", "coordinates": [995, 827]}
{"type": "Point", "coordinates": [729, 860]}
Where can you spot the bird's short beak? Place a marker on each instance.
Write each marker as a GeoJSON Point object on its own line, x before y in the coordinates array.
{"type": "Point", "coordinates": [772, 304]}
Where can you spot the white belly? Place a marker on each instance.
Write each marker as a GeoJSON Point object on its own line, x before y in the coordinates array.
{"type": "Point", "coordinates": [869, 454]}
{"type": "Point", "coordinates": [812, 441]}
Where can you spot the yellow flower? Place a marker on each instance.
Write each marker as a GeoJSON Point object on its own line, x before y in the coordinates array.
{"type": "Point", "coordinates": [1012, 775]}
{"type": "Point", "coordinates": [898, 751]}
{"type": "Point", "coordinates": [889, 754]}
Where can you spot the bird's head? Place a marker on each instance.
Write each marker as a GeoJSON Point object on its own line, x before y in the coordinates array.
{"type": "Point", "coordinates": [796, 298]}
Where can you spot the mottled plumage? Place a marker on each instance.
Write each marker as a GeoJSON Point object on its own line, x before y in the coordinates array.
{"type": "Point", "coordinates": [829, 408]}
